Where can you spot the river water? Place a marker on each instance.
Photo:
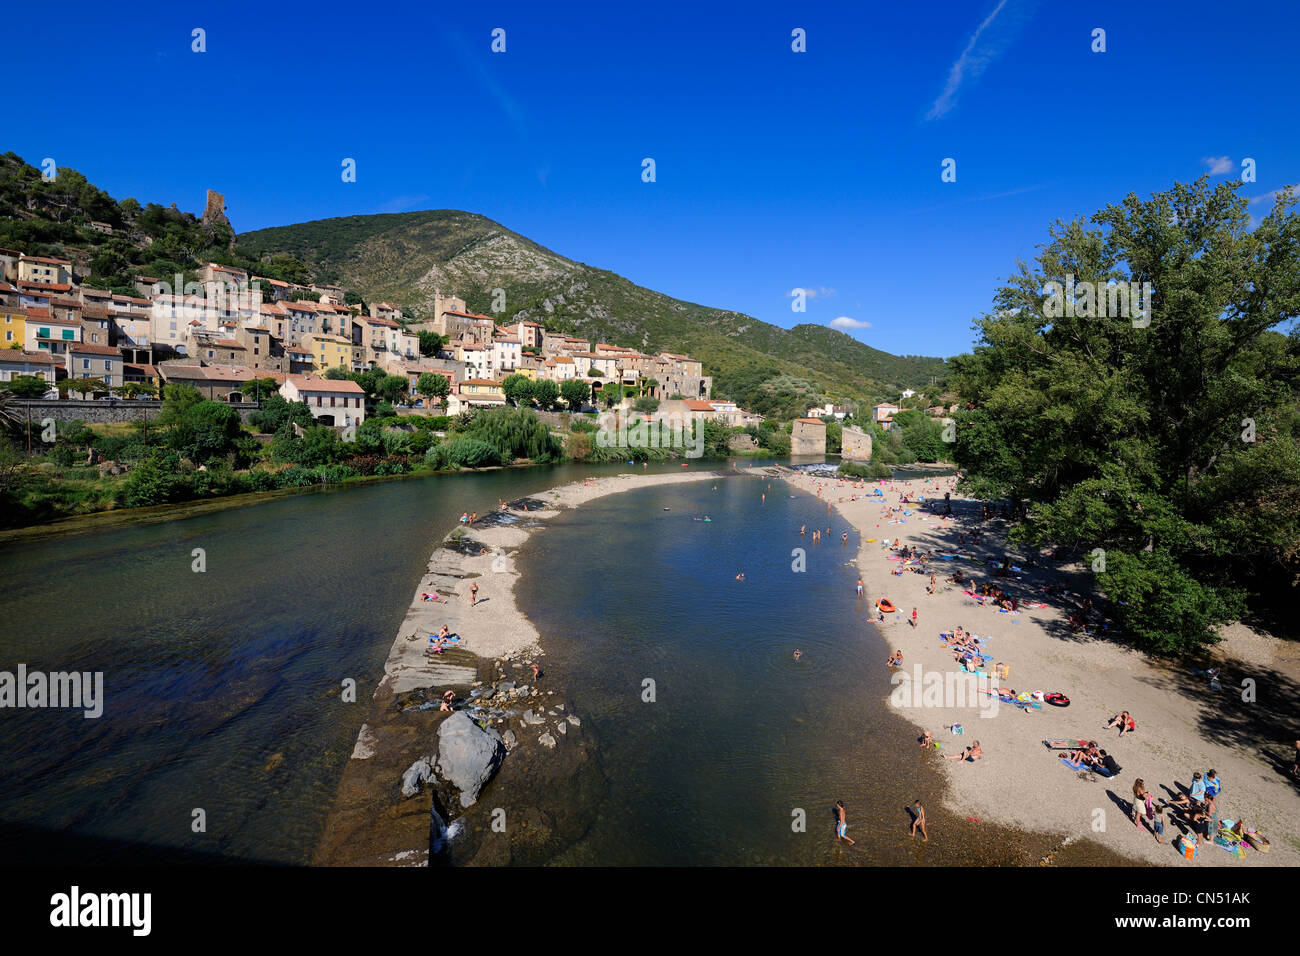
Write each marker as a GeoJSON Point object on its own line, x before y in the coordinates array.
{"type": "Point", "coordinates": [224, 730]}
{"type": "Point", "coordinates": [223, 687]}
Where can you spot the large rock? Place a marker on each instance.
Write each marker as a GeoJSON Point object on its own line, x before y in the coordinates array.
{"type": "Point", "coordinates": [468, 755]}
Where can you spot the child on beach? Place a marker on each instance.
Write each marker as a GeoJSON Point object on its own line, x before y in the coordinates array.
{"type": "Point", "coordinates": [1158, 824]}
{"type": "Point", "coordinates": [896, 659]}
{"type": "Point", "coordinates": [927, 740]}
{"type": "Point", "coordinates": [1212, 785]}
{"type": "Point", "coordinates": [859, 587]}
{"type": "Point", "coordinates": [841, 824]}
{"type": "Point", "coordinates": [918, 820]}
{"type": "Point", "coordinates": [913, 617]}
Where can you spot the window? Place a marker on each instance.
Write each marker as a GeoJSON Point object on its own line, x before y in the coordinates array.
{"type": "Point", "coordinates": [108, 365]}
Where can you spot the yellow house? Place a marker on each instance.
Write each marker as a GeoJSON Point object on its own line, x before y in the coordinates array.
{"type": "Point", "coordinates": [45, 271]}
{"type": "Point", "coordinates": [528, 373]}
{"type": "Point", "coordinates": [328, 351]}
{"type": "Point", "coordinates": [13, 327]}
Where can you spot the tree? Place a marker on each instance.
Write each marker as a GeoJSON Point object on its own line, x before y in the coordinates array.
{"type": "Point", "coordinates": [27, 386]}
{"type": "Point", "coordinates": [431, 343]}
{"type": "Point", "coordinates": [177, 399]}
{"type": "Point", "coordinates": [576, 392]}
{"type": "Point", "coordinates": [391, 388]}
{"type": "Point", "coordinates": [276, 411]}
{"type": "Point", "coordinates": [514, 433]}
{"type": "Point", "coordinates": [136, 389]}
{"type": "Point", "coordinates": [337, 373]}
{"type": "Point", "coordinates": [1166, 440]}
{"type": "Point", "coordinates": [646, 405]}
{"type": "Point", "coordinates": [259, 388]}
{"type": "Point", "coordinates": [81, 386]}
{"type": "Point", "coordinates": [205, 431]}
{"type": "Point", "coordinates": [433, 385]}
{"type": "Point", "coordinates": [611, 393]}
{"type": "Point", "coordinates": [545, 393]}
{"type": "Point", "coordinates": [518, 389]}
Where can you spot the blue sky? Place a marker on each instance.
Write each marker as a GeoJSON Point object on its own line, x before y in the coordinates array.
{"type": "Point", "coordinates": [775, 169]}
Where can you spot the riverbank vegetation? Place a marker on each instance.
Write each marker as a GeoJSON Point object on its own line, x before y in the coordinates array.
{"type": "Point", "coordinates": [1163, 450]}
{"type": "Point", "coordinates": [197, 449]}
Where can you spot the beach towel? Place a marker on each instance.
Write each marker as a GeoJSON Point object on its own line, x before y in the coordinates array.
{"type": "Point", "coordinates": [1100, 771]}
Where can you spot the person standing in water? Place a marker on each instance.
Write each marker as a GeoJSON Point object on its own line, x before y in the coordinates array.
{"type": "Point", "coordinates": [841, 824]}
{"type": "Point", "coordinates": [918, 820]}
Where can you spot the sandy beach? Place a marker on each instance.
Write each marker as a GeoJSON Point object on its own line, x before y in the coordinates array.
{"type": "Point", "coordinates": [1182, 724]}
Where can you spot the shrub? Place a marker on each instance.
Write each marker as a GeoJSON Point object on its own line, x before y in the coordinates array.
{"type": "Point", "coordinates": [155, 481]}
{"type": "Point", "coordinates": [461, 452]}
{"type": "Point", "coordinates": [513, 433]}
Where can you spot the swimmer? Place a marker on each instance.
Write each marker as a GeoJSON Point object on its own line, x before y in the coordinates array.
{"type": "Point", "coordinates": [797, 653]}
{"type": "Point", "coordinates": [741, 576]}
{"type": "Point", "coordinates": [859, 587]}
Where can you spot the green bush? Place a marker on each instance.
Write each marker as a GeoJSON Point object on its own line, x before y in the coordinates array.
{"type": "Point", "coordinates": [461, 452]}
{"type": "Point", "coordinates": [154, 481]}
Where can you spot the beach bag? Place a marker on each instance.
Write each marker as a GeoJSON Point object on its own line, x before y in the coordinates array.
{"type": "Point", "coordinates": [1188, 848]}
{"type": "Point", "coordinates": [958, 729]}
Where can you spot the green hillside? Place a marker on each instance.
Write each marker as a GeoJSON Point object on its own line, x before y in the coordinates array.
{"type": "Point", "coordinates": [407, 257]}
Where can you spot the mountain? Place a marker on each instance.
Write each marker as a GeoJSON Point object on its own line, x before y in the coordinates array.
{"type": "Point", "coordinates": [405, 258]}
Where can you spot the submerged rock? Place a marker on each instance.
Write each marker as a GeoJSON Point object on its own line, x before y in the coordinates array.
{"type": "Point", "coordinates": [546, 740]}
{"type": "Point", "coordinates": [468, 755]}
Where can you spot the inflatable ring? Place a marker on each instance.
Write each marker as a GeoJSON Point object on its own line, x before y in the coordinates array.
{"type": "Point", "coordinates": [1057, 700]}
{"type": "Point", "coordinates": [886, 606]}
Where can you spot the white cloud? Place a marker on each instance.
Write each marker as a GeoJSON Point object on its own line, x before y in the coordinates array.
{"type": "Point", "coordinates": [969, 65]}
{"type": "Point", "coordinates": [1274, 196]}
{"type": "Point", "coordinates": [1218, 164]}
{"type": "Point", "coordinates": [811, 292]}
{"type": "Point", "coordinates": [844, 322]}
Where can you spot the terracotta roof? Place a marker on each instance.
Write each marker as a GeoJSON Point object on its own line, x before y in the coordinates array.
{"type": "Point", "coordinates": [811, 421]}
{"type": "Point", "coordinates": [43, 288]}
{"type": "Point", "coordinates": [479, 381]}
{"type": "Point", "coordinates": [53, 262]}
{"type": "Point", "coordinates": [308, 383]}
{"type": "Point", "coordinates": [37, 358]}
{"type": "Point", "coordinates": [213, 373]}
{"type": "Point", "coordinates": [88, 349]}
{"type": "Point", "coordinates": [468, 315]}
{"type": "Point", "coordinates": [697, 405]}
{"type": "Point", "coordinates": [228, 344]}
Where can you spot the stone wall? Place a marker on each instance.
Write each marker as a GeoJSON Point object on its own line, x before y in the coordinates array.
{"type": "Point", "coordinates": [855, 445]}
{"type": "Point", "coordinates": [807, 438]}
{"type": "Point", "coordinates": [103, 413]}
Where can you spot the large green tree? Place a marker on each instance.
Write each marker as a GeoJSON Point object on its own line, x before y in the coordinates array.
{"type": "Point", "coordinates": [576, 393]}
{"type": "Point", "coordinates": [1164, 443]}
